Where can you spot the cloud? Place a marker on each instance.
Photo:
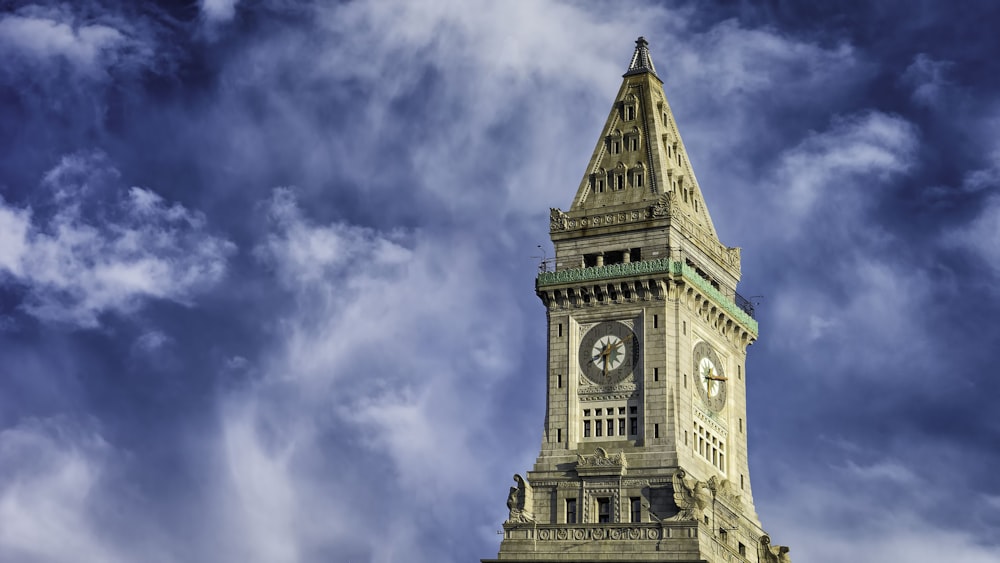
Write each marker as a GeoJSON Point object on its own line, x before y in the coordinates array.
{"type": "Point", "coordinates": [218, 11]}
{"type": "Point", "coordinates": [387, 346]}
{"type": "Point", "coordinates": [836, 172]}
{"type": "Point", "coordinates": [50, 473]}
{"type": "Point", "coordinates": [869, 514]}
{"type": "Point", "coordinates": [92, 247]}
{"type": "Point", "coordinates": [980, 236]}
{"type": "Point", "coordinates": [47, 36]}
{"type": "Point", "coordinates": [928, 80]}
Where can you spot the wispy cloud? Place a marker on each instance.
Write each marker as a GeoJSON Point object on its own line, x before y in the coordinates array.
{"type": "Point", "coordinates": [94, 247]}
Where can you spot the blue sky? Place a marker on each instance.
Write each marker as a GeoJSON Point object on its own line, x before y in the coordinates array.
{"type": "Point", "coordinates": [266, 268]}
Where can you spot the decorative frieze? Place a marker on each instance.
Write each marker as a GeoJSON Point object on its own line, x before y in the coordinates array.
{"type": "Point", "coordinates": [602, 532]}
{"type": "Point", "coordinates": [648, 268]}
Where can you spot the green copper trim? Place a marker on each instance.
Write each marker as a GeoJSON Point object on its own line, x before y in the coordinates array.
{"type": "Point", "coordinates": [646, 267]}
{"type": "Point", "coordinates": [727, 303]}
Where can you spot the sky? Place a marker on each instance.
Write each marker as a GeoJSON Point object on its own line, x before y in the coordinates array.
{"type": "Point", "coordinates": [266, 268]}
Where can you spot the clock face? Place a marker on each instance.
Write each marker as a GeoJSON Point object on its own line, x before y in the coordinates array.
{"type": "Point", "coordinates": [711, 376]}
{"type": "Point", "coordinates": [609, 352]}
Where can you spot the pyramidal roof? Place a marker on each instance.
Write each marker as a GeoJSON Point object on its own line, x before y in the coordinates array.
{"type": "Point", "coordinates": [640, 158]}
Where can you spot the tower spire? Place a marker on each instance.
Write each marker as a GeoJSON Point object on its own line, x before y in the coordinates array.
{"type": "Point", "coordinates": [641, 61]}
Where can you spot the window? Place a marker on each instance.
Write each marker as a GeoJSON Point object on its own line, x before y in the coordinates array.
{"type": "Point", "coordinates": [621, 426]}
{"type": "Point", "coordinates": [633, 426]}
{"type": "Point", "coordinates": [559, 381]}
{"type": "Point", "coordinates": [603, 510]}
{"type": "Point", "coordinates": [560, 330]}
{"type": "Point", "coordinates": [638, 179]}
{"type": "Point", "coordinates": [559, 435]}
{"type": "Point", "coordinates": [710, 446]}
{"type": "Point", "coordinates": [656, 374]}
{"type": "Point", "coordinates": [633, 143]}
{"type": "Point", "coordinates": [611, 427]}
{"type": "Point", "coordinates": [656, 321]}
{"type": "Point", "coordinates": [571, 511]}
{"type": "Point", "coordinates": [656, 430]}
{"type": "Point", "coordinates": [586, 429]}
{"type": "Point", "coordinates": [742, 549]}
{"type": "Point", "coordinates": [619, 181]}
{"type": "Point", "coordinates": [598, 428]}
{"type": "Point", "coordinates": [723, 535]}
{"type": "Point", "coordinates": [636, 509]}
{"type": "Point", "coordinates": [629, 113]}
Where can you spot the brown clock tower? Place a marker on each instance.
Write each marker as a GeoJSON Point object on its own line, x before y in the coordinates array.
{"type": "Point", "coordinates": [644, 450]}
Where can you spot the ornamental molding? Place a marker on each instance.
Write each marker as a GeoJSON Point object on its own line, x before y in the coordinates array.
{"type": "Point", "coordinates": [643, 267]}
{"type": "Point", "coordinates": [711, 422]}
{"type": "Point", "coordinates": [622, 391]}
{"type": "Point", "coordinates": [601, 459]}
{"type": "Point", "coordinates": [650, 268]}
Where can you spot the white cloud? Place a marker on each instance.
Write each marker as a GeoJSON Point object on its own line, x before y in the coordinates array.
{"type": "Point", "coordinates": [219, 10]}
{"type": "Point", "coordinates": [869, 514]}
{"type": "Point", "coordinates": [840, 170]}
{"type": "Point", "coordinates": [103, 250]}
{"type": "Point", "coordinates": [389, 347]}
{"type": "Point", "coordinates": [44, 38]}
{"type": "Point", "coordinates": [38, 37]}
{"type": "Point", "coordinates": [49, 473]}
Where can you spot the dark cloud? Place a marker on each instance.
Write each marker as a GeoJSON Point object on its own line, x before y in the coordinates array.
{"type": "Point", "coordinates": [262, 262]}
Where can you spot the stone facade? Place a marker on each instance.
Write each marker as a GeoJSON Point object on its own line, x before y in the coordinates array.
{"type": "Point", "coordinates": [644, 450]}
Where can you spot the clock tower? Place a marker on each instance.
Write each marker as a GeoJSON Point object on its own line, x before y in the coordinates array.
{"type": "Point", "coordinates": [644, 449]}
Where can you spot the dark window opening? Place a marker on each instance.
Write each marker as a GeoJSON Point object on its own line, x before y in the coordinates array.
{"type": "Point", "coordinates": [656, 430]}
{"type": "Point", "coordinates": [614, 257]}
{"type": "Point", "coordinates": [636, 509]}
{"type": "Point", "coordinates": [571, 511]}
{"type": "Point", "coordinates": [656, 321]}
{"type": "Point", "coordinates": [633, 426]}
{"type": "Point", "coordinates": [586, 429]}
{"type": "Point", "coordinates": [560, 330]}
{"type": "Point", "coordinates": [559, 435]}
{"type": "Point", "coordinates": [611, 427]}
{"type": "Point", "coordinates": [656, 374]}
{"type": "Point", "coordinates": [603, 510]}
{"type": "Point", "coordinates": [634, 254]}
{"type": "Point", "coordinates": [589, 260]}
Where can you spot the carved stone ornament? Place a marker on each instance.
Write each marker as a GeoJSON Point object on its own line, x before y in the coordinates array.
{"type": "Point", "coordinates": [691, 496]}
{"type": "Point", "coordinates": [557, 219]}
{"type": "Point", "coordinates": [519, 503]}
{"type": "Point", "coordinates": [662, 206]}
{"type": "Point", "coordinates": [601, 458]}
{"type": "Point", "coordinates": [768, 553]}
{"type": "Point", "coordinates": [722, 489]}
